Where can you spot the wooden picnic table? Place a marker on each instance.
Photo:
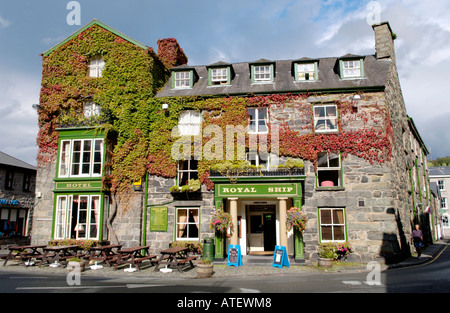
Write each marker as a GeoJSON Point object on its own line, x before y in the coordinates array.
{"type": "Point", "coordinates": [23, 253]}
{"type": "Point", "coordinates": [133, 255]}
{"type": "Point", "coordinates": [60, 253]}
{"type": "Point", "coordinates": [104, 253]}
{"type": "Point", "coordinates": [175, 256]}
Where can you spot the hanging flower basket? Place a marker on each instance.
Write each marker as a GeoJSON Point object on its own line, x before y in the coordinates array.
{"type": "Point", "coordinates": [296, 218]}
{"type": "Point", "coordinates": [220, 221]}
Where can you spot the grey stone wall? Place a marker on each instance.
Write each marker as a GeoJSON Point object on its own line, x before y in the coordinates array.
{"type": "Point", "coordinates": [43, 209]}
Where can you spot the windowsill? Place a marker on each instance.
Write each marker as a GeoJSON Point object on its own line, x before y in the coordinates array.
{"type": "Point", "coordinates": [306, 81]}
{"type": "Point", "coordinates": [336, 188]}
{"type": "Point", "coordinates": [215, 86]}
{"type": "Point", "coordinates": [353, 78]}
{"type": "Point", "coordinates": [182, 88]}
{"type": "Point", "coordinates": [326, 131]}
{"type": "Point", "coordinates": [262, 83]}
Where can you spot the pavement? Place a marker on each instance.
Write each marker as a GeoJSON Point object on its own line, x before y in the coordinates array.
{"type": "Point", "coordinates": [221, 270]}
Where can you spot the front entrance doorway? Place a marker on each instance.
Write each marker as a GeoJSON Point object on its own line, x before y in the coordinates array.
{"type": "Point", "coordinates": [261, 229]}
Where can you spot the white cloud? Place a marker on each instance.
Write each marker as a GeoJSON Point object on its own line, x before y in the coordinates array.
{"type": "Point", "coordinates": [4, 23]}
{"type": "Point", "coordinates": [18, 91]}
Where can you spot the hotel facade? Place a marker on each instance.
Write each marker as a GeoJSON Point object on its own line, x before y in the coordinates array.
{"type": "Point", "coordinates": [139, 147]}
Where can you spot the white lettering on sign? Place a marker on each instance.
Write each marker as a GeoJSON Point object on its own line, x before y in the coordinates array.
{"type": "Point", "coordinates": [280, 189]}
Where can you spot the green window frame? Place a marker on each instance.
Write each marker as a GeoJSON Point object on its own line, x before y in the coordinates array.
{"type": "Point", "coordinates": [78, 158]}
{"type": "Point", "coordinates": [325, 118]}
{"type": "Point", "coordinates": [329, 168]}
{"type": "Point", "coordinates": [306, 71]}
{"type": "Point", "coordinates": [187, 228]}
{"type": "Point", "coordinates": [351, 68]}
{"type": "Point", "coordinates": [332, 224]}
{"type": "Point", "coordinates": [262, 73]}
{"type": "Point", "coordinates": [182, 79]}
{"type": "Point", "coordinates": [219, 76]}
{"type": "Point", "coordinates": [85, 210]}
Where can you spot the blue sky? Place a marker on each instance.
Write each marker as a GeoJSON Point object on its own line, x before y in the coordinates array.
{"type": "Point", "coordinates": [232, 31]}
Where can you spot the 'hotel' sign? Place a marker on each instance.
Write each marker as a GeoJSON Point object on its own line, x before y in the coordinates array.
{"type": "Point", "coordinates": [259, 190]}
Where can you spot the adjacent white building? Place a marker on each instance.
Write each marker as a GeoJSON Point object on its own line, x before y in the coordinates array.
{"type": "Point", "coordinates": [441, 176]}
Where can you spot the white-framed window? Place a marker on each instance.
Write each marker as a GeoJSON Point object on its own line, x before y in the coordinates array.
{"type": "Point", "coordinates": [262, 73]}
{"type": "Point", "coordinates": [77, 216]}
{"type": "Point", "coordinates": [187, 226]}
{"type": "Point", "coordinates": [258, 120]}
{"type": "Point", "coordinates": [445, 222]}
{"type": "Point", "coordinates": [325, 118]}
{"type": "Point", "coordinates": [13, 222]}
{"type": "Point", "coordinates": [182, 80]}
{"type": "Point", "coordinates": [96, 66]}
{"type": "Point", "coordinates": [261, 160]}
{"type": "Point", "coordinates": [219, 76]}
{"type": "Point", "coordinates": [351, 68]}
{"type": "Point", "coordinates": [187, 170]}
{"type": "Point", "coordinates": [306, 71]}
{"type": "Point", "coordinates": [81, 158]}
{"type": "Point", "coordinates": [190, 123]}
{"type": "Point", "coordinates": [444, 203]}
{"type": "Point", "coordinates": [91, 109]}
{"type": "Point", "coordinates": [332, 224]}
{"type": "Point", "coordinates": [441, 184]}
{"type": "Point", "coordinates": [328, 170]}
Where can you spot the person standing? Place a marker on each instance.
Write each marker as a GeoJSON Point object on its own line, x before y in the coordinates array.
{"type": "Point", "coordinates": [417, 238]}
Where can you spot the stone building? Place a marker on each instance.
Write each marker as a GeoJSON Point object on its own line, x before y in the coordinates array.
{"type": "Point", "coordinates": [440, 176]}
{"type": "Point", "coordinates": [328, 135]}
{"type": "Point", "coordinates": [17, 185]}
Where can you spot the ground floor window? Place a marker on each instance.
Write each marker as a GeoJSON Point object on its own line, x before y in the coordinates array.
{"type": "Point", "coordinates": [332, 224]}
{"type": "Point", "coordinates": [187, 225]}
{"type": "Point", "coordinates": [77, 216]}
{"type": "Point", "coordinates": [445, 221]}
{"type": "Point", "coordinates": [12, 222]}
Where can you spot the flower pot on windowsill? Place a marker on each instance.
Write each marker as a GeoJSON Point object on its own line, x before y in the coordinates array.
{"type": "Point", "coordinates": [204, 269]}
{"type": "Point", "coordinates": [327, 183]}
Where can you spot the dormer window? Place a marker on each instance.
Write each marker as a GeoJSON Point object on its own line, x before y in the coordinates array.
{"type": "Point", "coordinates": [96, 66]}
{"type": "Point", "coordinates": [306, 71]}
{"type": "Point", "coordinates": [262, 73]}
{"type": "Point", "coordinates": [91, 109]}
{"type": "Point", "coordinates": [219, 76]}
{"type": "Point", "coordinates": [182, 79]}
{"type": "Point", "coordinates": [351, 68]}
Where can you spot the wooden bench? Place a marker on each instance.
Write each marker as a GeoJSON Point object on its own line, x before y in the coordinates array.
{"type": "Point", "coordinates": [188, 259]}
{"type": "Point", "coordinates": [135, 256]}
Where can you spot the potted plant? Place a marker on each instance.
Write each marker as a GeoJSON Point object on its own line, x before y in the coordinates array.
{"type": "Point", "coordinates": [205, 268]}
{"type": "Point", "coordinates": [76, 263]}
{"type": "Point", "coordinates": [220, 221]}
{"type": "Point", "coordinates": [343, 250]}
{"type": "Point", "coordinates": [296, 219]}
{"type": "Point", "coordinates": [327, 253]}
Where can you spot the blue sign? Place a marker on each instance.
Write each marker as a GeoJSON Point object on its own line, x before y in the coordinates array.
{"type": "Point", "coordinates": [280, 257]}
{"type": "Point", "coordinates": [234, 255]}
{"type": "Point", "coordinates": [8, 201]}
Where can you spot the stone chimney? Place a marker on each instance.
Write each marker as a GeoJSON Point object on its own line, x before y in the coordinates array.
{"type": "Point", "coordinates": [170, 53]}
{"type": "Point", "coordinates": [384, 41]}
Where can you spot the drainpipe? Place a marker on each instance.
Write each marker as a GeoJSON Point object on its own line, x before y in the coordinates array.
{"type": "Point", "coordinates": [144, 232]}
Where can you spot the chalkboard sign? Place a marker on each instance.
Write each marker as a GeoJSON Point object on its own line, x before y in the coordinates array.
{"type": "Point", "coordinates": [280, 257]}
{"type": "Point", "coordinates": [234, 255]}
{"type": "Point", "coordinates": [158, 219]}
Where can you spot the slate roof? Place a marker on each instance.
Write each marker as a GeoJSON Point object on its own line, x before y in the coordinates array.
{"type": "Point", "coordinates": [375, 76]}
{"type": "Point", "coordinates": [439, 171]}
{"type": "Point", "coordinates": [8, 160]}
